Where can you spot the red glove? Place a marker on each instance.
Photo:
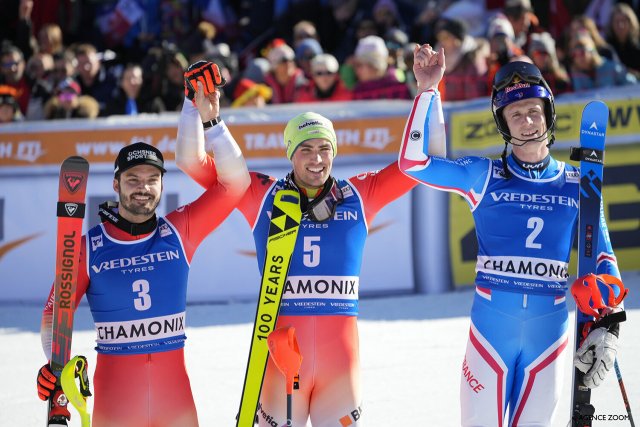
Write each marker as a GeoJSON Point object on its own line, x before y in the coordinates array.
{"type": "Point", "coordinates": [206, 72]}
{"type": "Point", "coordinates": [46, 382]}
{"type": "Point", "coordinates": [46, 388]}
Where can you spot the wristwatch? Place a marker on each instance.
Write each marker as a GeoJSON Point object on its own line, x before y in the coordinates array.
{"type": "Point", "coordinates": [211, 123]}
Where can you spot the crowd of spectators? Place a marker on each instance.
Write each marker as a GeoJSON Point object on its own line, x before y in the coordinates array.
{"type": "Point", "coordinates": [73, 58]}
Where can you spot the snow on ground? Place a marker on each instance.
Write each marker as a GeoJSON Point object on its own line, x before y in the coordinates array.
{"type": "Point", "coordinates": [411, 355]}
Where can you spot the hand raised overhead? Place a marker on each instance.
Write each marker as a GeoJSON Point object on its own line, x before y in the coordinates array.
{"type": "Point", "coordinates": [428, 66]}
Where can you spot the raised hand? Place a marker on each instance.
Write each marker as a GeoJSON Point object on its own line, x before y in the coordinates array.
{"type": "Point", "coordinates": [428, 66]}
{"type": "Point", "coordinates": [207, 103]}
{"type": "Point", "coordinates": [205, 72]}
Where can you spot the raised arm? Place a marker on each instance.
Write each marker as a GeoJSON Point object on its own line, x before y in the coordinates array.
{"type": "Point", "coordinates": [225, 175]}
{"type": "Point", "coordinates": [227, 165]}
{"type": "Point", "coordinates": [423, 146]}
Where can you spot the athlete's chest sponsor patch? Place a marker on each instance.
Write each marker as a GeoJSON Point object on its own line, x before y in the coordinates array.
{"type": "Point", "coordinates": [136, 261]}
{"type": "Point", "coordinates": [322, 287]}
{"type": "Point", "coordinates": [154, 328]}
{"type": "Point", "coordinates": [523, 267]}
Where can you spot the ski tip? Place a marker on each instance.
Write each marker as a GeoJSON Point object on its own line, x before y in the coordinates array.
{"type": "Point", "coordinates": [596, 106]}
{"type": "Point", "coordinates": [75, 159]}
{"type": "Point", "coordinates": [76, 163]}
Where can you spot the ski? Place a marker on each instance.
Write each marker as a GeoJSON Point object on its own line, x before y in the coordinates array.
{"type": "Point", "coordinates": [593, 127]}
{"type": "Point", "coordinates": [72, 189]}
{"type": "Point", "coordinates": [283, 232]}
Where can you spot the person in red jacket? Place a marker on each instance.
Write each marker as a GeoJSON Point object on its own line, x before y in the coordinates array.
{"type": "Point", "coordinates": [326, 84]}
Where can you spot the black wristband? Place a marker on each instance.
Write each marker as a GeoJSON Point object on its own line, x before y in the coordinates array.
{"type": "Point", "coordinates": [211, 123]}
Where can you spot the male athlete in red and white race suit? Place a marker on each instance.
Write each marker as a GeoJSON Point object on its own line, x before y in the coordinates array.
{"type": "Point", "coordinates": [136, 282]}
{"type": "Point", "coordinates": [320, 297]}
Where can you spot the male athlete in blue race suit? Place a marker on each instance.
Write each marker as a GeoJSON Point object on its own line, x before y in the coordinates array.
{"type": "Point", "coordinates": [525, 208]}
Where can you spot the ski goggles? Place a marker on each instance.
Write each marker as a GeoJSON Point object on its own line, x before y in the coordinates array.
{"type": "Point", "coordinates": [526, 72]}
{"type": "Point", "coordinates": [323, 207]}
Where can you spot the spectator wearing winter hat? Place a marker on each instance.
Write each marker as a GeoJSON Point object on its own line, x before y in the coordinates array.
{"type": "Point", "coordinates": [523, 20]}
{"type": "Point", "coordinates": [9, 109]}
{"type": "Point", "coordinates": [502, 47]}
{"type": "Point", "coordinates": [307, 50]}
{"type": "Point", "coordinates": [285, 78]}
{"type": "Point", "coordinates": [542, 50]}
{"type": "Point", "coordinates": [251, 94]}
{"type": "Point", "coordinates": [326, 84]}
{"type": "Point", "coordinates": [375, 79]}
{"type": "Point", "coordinates": [464, 77]}
{"type": "Point", "coordinates": [69, 103]}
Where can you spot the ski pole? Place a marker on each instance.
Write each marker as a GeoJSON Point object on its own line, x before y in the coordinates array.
{"type": "Point", "coordinates": [625, 398]}
{"type": "Point", "coordinates": [77, 368]}
{"type": "Point", "coordinates": [285, 353]}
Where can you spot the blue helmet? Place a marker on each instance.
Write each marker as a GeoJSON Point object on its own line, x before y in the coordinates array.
{"type": "Point", "coordinates": [514, 82]}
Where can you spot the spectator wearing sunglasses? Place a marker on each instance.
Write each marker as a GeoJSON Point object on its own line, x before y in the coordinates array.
{"type": "Point", "coordinates": [68, 103]}
{"type": "Point", "coordinates": [590, 70]}
{"type": "Point", "coordinates": [285, 77]}
{"type": "Point", "coordinates": [525, 208]}
{"type": "Point", "coordinates": [336, 216]}
{"type": "Point", "coordinates": [326, 84]}
{"type": "Point", "coordinates": [12, 73]}
{"type": "Point", "coordinates": [542, 51]}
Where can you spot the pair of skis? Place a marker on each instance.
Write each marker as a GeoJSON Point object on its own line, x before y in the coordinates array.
{"type": "Point", "coordinates": [593, 127]}
{"type": "Point", "coordinates": [74, 173]}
